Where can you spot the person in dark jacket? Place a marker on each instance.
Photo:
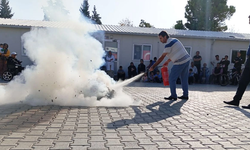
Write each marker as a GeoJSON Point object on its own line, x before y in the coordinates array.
{"type": "Point", "coordinates": [238, 62]}
{"type": "Point", "coordinates": [243, 83]}
{"type": "Point", "coordinates": [131, 70]}
{"type": "Point", "coordinates": [141, 67]}
{"type": "Point", "coordinates": [13, 62]}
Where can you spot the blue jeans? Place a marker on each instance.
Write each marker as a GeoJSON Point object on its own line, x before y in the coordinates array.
{"type": "Point", "coordinates": [182, 72]}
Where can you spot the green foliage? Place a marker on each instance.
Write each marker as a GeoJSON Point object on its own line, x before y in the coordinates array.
{"type": "Point", "coordinates": [84, 9]}
{"type": "Point", "coordinates": [179, 25]}
{"type": "Point", "coordinates": [144, 24]}
{"type": "Point", "coordinates": [208, 15]}
{"type": "Point", "coordinates": [5, 11]}
{"type": "Point", "coordinates": [95, 17]}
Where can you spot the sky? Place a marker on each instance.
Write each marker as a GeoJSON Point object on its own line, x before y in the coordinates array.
{"type": "Point", "coordinates": [159, 13]}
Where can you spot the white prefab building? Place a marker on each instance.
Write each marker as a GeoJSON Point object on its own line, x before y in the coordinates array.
{"type": "Point", "coordinates": [130, 44]}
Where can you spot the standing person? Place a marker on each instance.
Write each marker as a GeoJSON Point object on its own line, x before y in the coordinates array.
{"type": "Point", "coordinates": [244, 81]}
{"type": "Point", "coordinates": [224, 64]}
{"type": "Point", "coordinates": [110, 59]}
{"type": "Point", "coordinates": [215, 61]}
{"type": "Point", "coordinates": [131, 70]}
{"type": "Point", "coordinates": [141, 67]}
{"type": "Point", "coordinates": [3, 58]}
{"type": "Point", "coordinates": [238, 62]}
{"type": "Point", "coordinates": [197, 62]}
{"type": "Point", "coordinates": [176, 53]}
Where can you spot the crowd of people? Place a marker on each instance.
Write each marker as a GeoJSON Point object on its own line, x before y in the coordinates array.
{"type": "Point", "coordinates": [8, 58]}
{"type": "Point", "coordinates": [197, 73]}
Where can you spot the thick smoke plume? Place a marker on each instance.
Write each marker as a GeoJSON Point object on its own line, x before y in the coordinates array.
{"type": "Point", "coordinates": [65, 71]}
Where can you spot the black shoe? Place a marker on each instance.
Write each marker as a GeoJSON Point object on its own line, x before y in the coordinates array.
{"type": "Point", "coordinates": [170, 98]}
{"type": "Point", "coordinates": [246, 107]}
{"type": "Point", "coordinates": [232, 103]}
{"type": "Point", "coordinates": [183, 97]}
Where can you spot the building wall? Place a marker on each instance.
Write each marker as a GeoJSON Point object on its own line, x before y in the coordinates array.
{"type": "Point", "coordinates": [208, 48]}
{"type": "Point", "coordinates": [12, 36]}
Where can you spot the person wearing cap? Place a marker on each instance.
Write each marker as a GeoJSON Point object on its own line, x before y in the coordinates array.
{"type": "Point", "coordinates": [13, 62]}
{"type": "Point", "coordinates": [243, 83]}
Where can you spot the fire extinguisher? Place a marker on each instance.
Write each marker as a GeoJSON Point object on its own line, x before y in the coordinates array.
{"type": "Point", "coordinates": [165, 76]}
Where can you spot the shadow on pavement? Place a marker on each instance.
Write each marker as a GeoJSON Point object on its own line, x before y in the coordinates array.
{"type": "Point", "coordinates": [243, 111]}
{"type": "Point", "coordinates": [193, 87]}
{"type": "Point", "coordinates": [164, 111]}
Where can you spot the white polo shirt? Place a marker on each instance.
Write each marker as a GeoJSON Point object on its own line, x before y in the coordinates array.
{"type": "Point", "coordinates": [176, 51]}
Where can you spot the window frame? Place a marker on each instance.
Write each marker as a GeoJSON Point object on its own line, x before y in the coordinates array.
{"type": "Point", "coordinates": [133, 53]}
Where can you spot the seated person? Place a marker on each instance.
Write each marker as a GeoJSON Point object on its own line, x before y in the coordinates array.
{"type": "Point", "coordinates": [131, 70]}
{"type": "Point", "coordinates": [157, 77]}
{"type": "Point", "coordinates": [120, 74]}
{"type": "Point", "coordinates": [13, 62]}
{"type": "Point", "coordinates": [217, 72]}
{"type": "Point", "coordinates": [144, 78]}
{"type": "Point", "coordinates": [190, 76]}
{"type": "Point", "coordinates": [151, 77]}
{"type": "Point", "coordinates": [204, 74]}
{"type": "Point", "coordinates": [195, 71]}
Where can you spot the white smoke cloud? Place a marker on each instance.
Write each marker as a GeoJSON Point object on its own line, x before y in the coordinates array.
{"type": "Point", "coordinates": [65, 71]}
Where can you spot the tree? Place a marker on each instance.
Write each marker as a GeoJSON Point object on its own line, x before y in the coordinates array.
{"type": "Point", "coordinates": [55, 11]}
{"type": "Point", "coordinates": [208, 15]}
{"type": "Point", "coordinates": [5, 11]}
{"type": "Point", "coordinates": [95, 17]}
{"type": "Point", "coordinates": [179, 25]}
{"type": "Point", "coordinates": [84, 9]}
{"type": "Point", "coordinates": [126, 22]}
{"type": "Point", "coordinates": [144, 24]}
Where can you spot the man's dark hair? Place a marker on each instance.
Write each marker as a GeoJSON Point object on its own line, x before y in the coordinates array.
{"type": "Point", "coordinates": [216, 55]}
{"type": "Point", "coordinates": [163, 34]}
{"type": "Point", "coordinates": [120, 67]}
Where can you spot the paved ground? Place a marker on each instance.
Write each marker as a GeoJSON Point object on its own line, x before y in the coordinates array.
{"type": "Point", "coordinates": [202, 122]}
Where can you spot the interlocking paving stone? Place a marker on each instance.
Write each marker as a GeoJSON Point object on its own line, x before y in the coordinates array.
{"type": "Point", "coordinates": [23, 146]}
{"type": "Point", "coordinates": [202, 122]}
{"type": "Point", "coordinates": [61, 146]}
{"type": "Point", "coordinates": [2, 147]}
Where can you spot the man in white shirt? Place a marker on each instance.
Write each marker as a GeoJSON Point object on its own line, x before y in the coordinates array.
{"type": "Point", "coordinates": [215, 61]}
{"type": "Point", "coordinates": [176, 53]}
{"type": "Point", "coordinates": [110, 59]}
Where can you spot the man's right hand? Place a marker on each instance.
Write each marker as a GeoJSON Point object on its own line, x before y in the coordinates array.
{"type": "Point", "coordinates": [166, 63]}
{"type": "Point", "coordinates": [151, 69]}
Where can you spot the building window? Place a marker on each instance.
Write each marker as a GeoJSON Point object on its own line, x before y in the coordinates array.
{"type": "Point", "coordinates": [142, 52]}
{"type": "Point", "coordinates": [234, 55]}
{"type": "Point", "coordinates": [188, 49]}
